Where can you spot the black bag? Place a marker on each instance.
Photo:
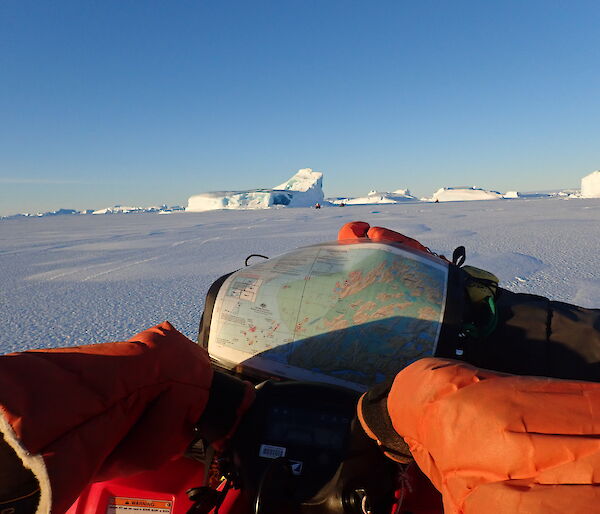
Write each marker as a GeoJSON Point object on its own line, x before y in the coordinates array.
{"type": "Point", "coordinates": [538, 336]}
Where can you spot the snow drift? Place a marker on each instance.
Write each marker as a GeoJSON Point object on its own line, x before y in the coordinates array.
{"type": "Point", "coordinates": [304, 189]}
{"type": "Point", "coordinates": [590, 185]}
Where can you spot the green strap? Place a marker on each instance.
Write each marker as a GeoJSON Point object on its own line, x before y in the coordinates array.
{"type": "Point", "coordinates": [493, 321]}
{"type": "Point", "coordinates": [475, 332]}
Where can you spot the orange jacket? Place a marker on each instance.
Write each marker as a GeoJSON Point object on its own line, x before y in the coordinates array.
{"type": "Point", "coordinates": [500, 443]}
{"type": "Point", "coordinates": [76, 415]}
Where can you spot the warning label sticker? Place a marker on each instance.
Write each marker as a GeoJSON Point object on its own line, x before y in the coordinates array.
{"type": "Point", "coordinates": [118, 505]}
{"type": "Point", "coordinates": [269, 451]}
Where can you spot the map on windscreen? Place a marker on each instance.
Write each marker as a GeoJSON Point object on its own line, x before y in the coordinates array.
{"type": "Point", "coordinates": [346, 314]}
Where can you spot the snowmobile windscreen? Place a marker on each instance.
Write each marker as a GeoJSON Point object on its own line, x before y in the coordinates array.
{"type": "Point", "coordinates": [346, 313]}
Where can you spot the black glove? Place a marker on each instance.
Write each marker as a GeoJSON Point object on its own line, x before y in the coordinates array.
{"type": "Point", "coordinates": [229, 399]}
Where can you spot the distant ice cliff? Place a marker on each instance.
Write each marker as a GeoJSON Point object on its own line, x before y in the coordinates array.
{"type": "Point", "coordinates": [304, 189]}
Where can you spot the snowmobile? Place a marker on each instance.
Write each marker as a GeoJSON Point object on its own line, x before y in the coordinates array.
{"type": "Point", "coordinates": [299, 450]}
{"type": "Point", "coordinates": [313, 329]}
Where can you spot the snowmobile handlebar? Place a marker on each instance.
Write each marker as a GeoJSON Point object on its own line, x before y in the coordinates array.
{"type": "Point", "coordinates": [300, 449]}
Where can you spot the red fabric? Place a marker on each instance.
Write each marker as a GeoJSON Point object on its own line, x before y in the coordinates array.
{"type": "Point", "coordinates": [492, 442]}
{"type": "Point", "coordinates": [353, 230]}
{"type": "Point", "coordinates": [385, 234]}
{"type": "Point", "coordinates": [361, 230]}
{"type": "Point", "coordinates": [101, 411]}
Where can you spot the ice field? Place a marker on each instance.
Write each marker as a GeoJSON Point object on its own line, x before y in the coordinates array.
{"type": "Point", "coordinates": [71, 280]}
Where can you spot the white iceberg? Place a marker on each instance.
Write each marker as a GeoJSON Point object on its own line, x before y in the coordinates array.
{"type": "Point", "coordinates": [590, 185]}
{"type": "Point", "coordinates": [118, 209]}
{"type": "Point", "coordinates": [124, 209]}
{"type": "Point", "coordinates": [304, 189]}
{"type": "Point", "coordinates": [463, 194]}
{"type": "Point", "coordinates": [377, 197]}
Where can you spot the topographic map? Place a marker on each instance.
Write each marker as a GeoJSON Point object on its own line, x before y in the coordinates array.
{"type": "Point", "coordinates": [351, 314]}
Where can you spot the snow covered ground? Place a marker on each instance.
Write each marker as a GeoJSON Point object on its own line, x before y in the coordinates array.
{"type": "Point", "coordinates": [69, 280]}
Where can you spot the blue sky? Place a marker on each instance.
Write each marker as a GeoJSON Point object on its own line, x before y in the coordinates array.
{"type": "Point", "coordinates": [144, 102]}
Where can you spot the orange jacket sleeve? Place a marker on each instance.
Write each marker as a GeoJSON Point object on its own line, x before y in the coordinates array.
{"type": "Point", "coordinates": [500, 443]}
{"type": "Point", "coordinates": [76, 415]}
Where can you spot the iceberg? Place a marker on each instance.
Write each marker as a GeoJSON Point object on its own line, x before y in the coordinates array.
{"type": "Point", "coordinates": [377, 197]}
{"type": "Point", "coordinates": [463, 194]}
{"type": "Point", "coordinates": [123, 209]}
{"type": "Point", "coordinates": [590, 185]}
{"type": "Point", "coordinates": [304, 189]}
